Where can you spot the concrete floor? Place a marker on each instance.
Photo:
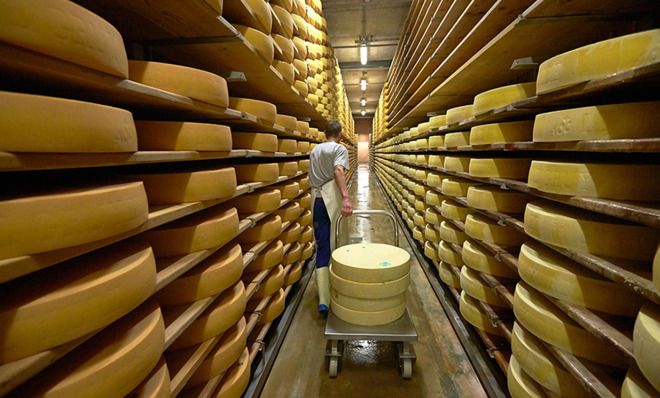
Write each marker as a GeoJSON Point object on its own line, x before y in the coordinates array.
{"type": "Point", "coordinates": [370, 368]}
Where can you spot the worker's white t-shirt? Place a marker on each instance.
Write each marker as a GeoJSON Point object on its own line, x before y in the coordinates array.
{"type": "Point", "coordinates": [322, 162]}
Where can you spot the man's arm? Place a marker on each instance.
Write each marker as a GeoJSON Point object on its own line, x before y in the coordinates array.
{"type": "Point", "coordinates": [340, 180]}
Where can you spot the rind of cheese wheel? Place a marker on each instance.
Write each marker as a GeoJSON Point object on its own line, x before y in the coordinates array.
{"type": "Point", "coordinates": [418, 219]}
{"type": "Point", "coordinates": [303, 165]}
{"type": "Point", "coordinates": [291, 234]}
{"type": "Point", "coordinates": [430, 251]}
{"type": "Point", "coordinates": [222, 314]}
{"type": "Point", "coordinates": [432, 216]}
{"type": "Point", "coordinates": [286, 21]}
{"type": "Point", "coordinates": [367, 318]}
{"type": "Point", "coordinates": [306, 201]}
{"type": "Point", "coordinates": [263, 200]}
{"type": "Point", "coordinates": [289, 189]}
{"type": "Point", "coordinates": [301, 67]}
{"type": "Point", "coordinates": [265, 230]}
{"type": "Point", "coordinates": [586, 232]}
{"type": "Point", "coordinates": [543, 319]}
{"type": "Point", "coordinates": [475, 288]}
{"type": "Point", "coordinates": [646, 343]}
{"type": "Point", "coordinates": [263, 44]}
{"type": "Point", "coordinates": [64, 30]}
{"type": "Point", "coordinates": [290, 212]}
{"type": "Point", "coordinates": [307, 234]}
{"type": "Point", "coordinates": [494, 199]}
{"type": "Point", "coordinates": [431, 233]}
{"type": "Point", "coordinates": [454, 212]}
{"type": "Point", "coordinates": [303, 146]}
{"type": "Point", "coordinates": [480, 260]}
{"type": "Point", "coordinates": [313, 99]}
{"type": "Point", "coordinates": [258, 172]}
{"type": "Point", "coordinates": [453, 163]}
{"type": "Point", "coordinates": [438, 121]}
{"type": "Point", "coordinates": [225, 353]}
{"type": "Point", "coordinates": [287, 145]}
{"type": "Point", "coordinates": [271, 284]}
{"type": "Point", "coordinates": [304, 183]}
{"type": "Point", "coordinates": [261, 109]}
{"type": "Point", "coordinates": [35, 123]}
{"type": "Point", "coordinates": [483, 229]}
{"type": "Point", "coordinates": [301, 25]}
{"type": "Point", "coordinates": [293, 254]}
{"type": "Point", "coordinates": [288, 169]}
{"type": "Point", "coordinates": [498, 133]}
{"type": "Point", "coordinates": [520, 384]}
{"type": "Point", "coordinates": [255, 141]}
{"type": "Point", "coordinates": [502, 96]}
{"type": "Point", "coordinates": [500, 168]}
{"type": "Point", "coordinates": [183, 136]}
{"type": "Point", "coordinates": [449, 255]}
{"type": "Point", "coordinates": [375, 290]}
{"type": "Point", "coordinates": [597, 180]}
{"type": "Point", "coordinates": [542, 366]}
{"type": "Point", "coordinates": [433, 198]}
{"type": "Point", "coordinates": [367, 305]}
{"type": "Point", "coordinates": [453, 140]}
{"type": "Point", "coordinates": [595, 61]}
{"type": "Point", "coordinates": [456, 187]}
{"type": "Point", "coordinates": [200, 231]}
{"type": "Point", "coordinates": [193, 186]}
{"type": "Point", "coordinates": [422, 160]}
{"type": "Point", "coordinates": [235, 381]}
{"type": "Point", "coordinates": [302, 127]}
{"type": "Point", "coordinates": [306, 218]}
{"type": "Point", "coordinates": [274, 309]}
{"type": "Point", "coordinates": [458, 114]}
{"type": "Point", "coordinates": [436, 141]}
{"type": "Point", "coordinates": [449, 277]}
{"type": "Point", "coordinates": [421, 143]}
{"type": "Point", "coordinates": [285, 69]}
{"type": "Point", "coordinates": [470, 311]}
{"type": "Point", "coordinates": [451, 234]}
{"type": "Point", "coordinates": [215, 274]}
{"type": "Point", "coordinates": [156, 385]}
{"type": "Point", "coordinates": [190, 82]}
{"type": "Point", "coordinates": [421, 207]}
{"type": "Point", "coordinates": [561, 278]}
{"type": "Point", "coordinates": [287, 47]}
{"type": "Point", "coordinates": [268, 258]}
{"type": "Point", "coordinates": [301, 46]}
{"type": "Point", "coordinates": [636, 386]}
{"type": "Point", "coordinates": [423, 128]}
{"type": "Point", "coordinates": [294, 275]}
{"type": "Point", "coordinates": [258, 14]}
{"type": "Point", "coordinates": [40, 223]}
{"type": "Point", "coordinates": [113, 362]}
{"type": "Point", "coordinates": [308, 251]}
{"type": "Point", "coordinates": [288, 122]}
{"type": "Point", "coordinates": [86, 294]}
{"type": "Point", "coordinates": [302, 88]}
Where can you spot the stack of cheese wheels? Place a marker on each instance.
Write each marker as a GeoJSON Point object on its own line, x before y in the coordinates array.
{"type": "Point", "coordinates": [369, 283]}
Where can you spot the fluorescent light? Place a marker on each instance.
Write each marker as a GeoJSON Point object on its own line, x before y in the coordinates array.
{"type": "Point", "coordinates": [363, 102]}
{"type": "Point", "coordinates": [363, 112]}
{"type": "Point", "coordinates": [363, 84]}
{"type": "Point", "coordinates": [364, 54]}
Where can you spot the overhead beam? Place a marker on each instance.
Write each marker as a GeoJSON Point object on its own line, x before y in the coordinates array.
{"type": "Point", "coordinates": [371, 65]}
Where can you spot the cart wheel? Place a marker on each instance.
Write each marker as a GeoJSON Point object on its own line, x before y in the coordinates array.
{"type": "Point", "coordinates": [333, 367]}
{"type": "Point", "coordinates": [406, 368]}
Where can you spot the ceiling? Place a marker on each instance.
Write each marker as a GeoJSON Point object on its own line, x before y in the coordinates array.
{"type": "Point", "coordinates": [380, 20]}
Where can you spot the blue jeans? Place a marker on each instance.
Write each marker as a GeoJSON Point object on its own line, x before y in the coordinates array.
{"type": "Point", "coordinates": [322, 233]}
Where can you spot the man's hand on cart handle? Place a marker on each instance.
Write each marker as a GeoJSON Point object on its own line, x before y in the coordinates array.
{"type": "Point", "coordinates": [346, 207]}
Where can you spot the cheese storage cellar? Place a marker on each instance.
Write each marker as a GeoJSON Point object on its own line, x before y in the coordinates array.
{"type": "Point", "coordinates": [330, 198]}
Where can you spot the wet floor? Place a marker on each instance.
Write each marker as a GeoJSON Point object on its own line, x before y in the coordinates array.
{"type": "Point", "coordinates": [370, 368]}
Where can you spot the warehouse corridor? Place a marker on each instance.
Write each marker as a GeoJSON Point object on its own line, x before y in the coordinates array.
{"type": "Point", "coordinates": [369, 369]}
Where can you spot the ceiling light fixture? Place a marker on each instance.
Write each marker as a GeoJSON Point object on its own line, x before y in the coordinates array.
{"type": "Point", "coordinates": [363, 112]}
{"type": "Point", "coordinates": [364, 53]}
{"type": "Point", "coordinates": [363, 102]}
{"type": "Point", "coordinates": [363, 84]}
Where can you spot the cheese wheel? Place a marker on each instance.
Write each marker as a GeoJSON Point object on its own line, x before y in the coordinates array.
{"type": "Point", "coordinates": [477, 258]}
{"type": "Point", "coordinates": [373, 290]}
{"type": "Point", "coordinates": [418, 220]}
{"type": "Point", "coordinates": [454, 212]}
{"type": "Point", "coordinates": [287, 50]}
{"type": "Point", "coordinates": [254, 13]}
{"type": "Point", "coordinates": [288, 169]}
{"type": "Point", "coordinates": [548, 323]}
{"type": "Point", "coordinates": [456, 187]}
{"type": "Point", "coordinates": [285, 69]}
{"type": "Point", "coordinates": [451, 234]}
{"type": "Point", "coordinates": [500, 168]}
{"type": "Point", "coordinates": [293, 254]}
{"type": "Point", "coordinates": [432, 216]}
{"type": "Point", "coordinates": [486, 230]}
{"type": "Point", "coordinates": [449, 277]}
{"type": "Point", "coordinates": [423, 160]}
{"type": "Point", "coordinates": [598, 60]}
{"type": "Point", "coordinates": [494, 199]}
{"type": "Point", "coordinates": [308, 251]}
{"type": "Point", "coordinates": [183, 136]}
{"type": "Point", "coordinates": [271, 284]}
{"type": "Point", "coordinates": [471, 312]}
{"type": "Point", "coordinates": [213, 275]}
{"type": "Point", "coordinates": [585, 232]}
{"type": "Point", "coordinates": [263, 200]}
{"type": "Point", "coordinates": [458, 114]}
{"type": "Point", "coordinates": [307, 234]}
{"type": "Point", "coordinates": [288, 122]}
{"type": "Point", "coordinates": [448, 255]}
{"type": "Point", "coordinates": [438, 121]}
{"type": "Point", "coordinates": [430, 250]}
{"type": "Point", "coordinates": [367, 305]}
{"type": "Point", "coordinates": [261, 109]}
{"type": "Point", "coordinates": [433, 198]}
{"type": "Point", "coordinates": [303, 165]}
{"type": "Point", "coordinates": [420, 206]}
{"type": "Point", "coordinates": [268, 258]}
{"type": "Point", "coordinates": [289, 189]}
{"type": "Point", "coordinates": [472, 285]}
{"type": "Point", "coordinates": [35, 123]}
{"type": "Point", "coordinates": [294, 275]}
{"type": "Point", "coordinates": [301, 46]}
{"type": "Point", "coordinates": [258, 172]}
{"type": "Point", "coordinates": [453, 163]}
{"type": "Point", "coordinates": [305, 218]}
{"type": "Point", "coordinates": [520, 384]}
{"type": "Point", "coordinates": [542, 366]}
{"type": "Point", "coordinates": [285, 19]}
{"type": "Point", "coordinates": [499, 133]}
{"type": "Point", "coordinates": [87, 294]}
{"type": "Point", "coordinates": [503, 96]}
{"type": "Point", "coordinates": [421, 143]}
{"type": "Point", "coordinates": [431, 233]}
{"type": "Point", "coordinates": [255, 141]}
{"type": "Point", "coordinates": [302, 127]}
{"type": "Point", "coordinates": [436, 141]}
{"type": "Point", "coordinates": [368, 318]}
{"type": "Point", "coordinates": [156, 385]}
{"type": "Point", "coordinates": [263, 44]}
{"type": "Point", "coordinates": [204, 230]}
{"type": "Point", "coordinates": [111, 364]}
{"type": "Point", "coordinates": [221, 315]}
{"type": "Point", "coordinates": [265, 230]}
{"type": "Point", "coordinates": [193, 186]}
{"type": "Point", "coordinates": [636, 386]}
{"type": "Point", "coordinates": [197, 84]}
{"type": "Point", "coordinates": [236, 380]}
{"type": "Point", "coordinates": [50, 221]}
{"type": "Point", "coordinates": [597, 180]}
{"type": "Point", "coordinates": [306, 201]}
{"type": "Point", "coordinates": [304, 183]}
{"type": "Point", "coordinates": [303, 147]}
{"type": "Point", "coordinates": [290, 212]}
{"type": "Point", "coordinates": [453, 140]}
{"type": "Point", "coordinates": [563, 279]}
{"type": "Point", "coordinates": [274, 309]}
{"type": "Point", "coordinates": [291, 234]}
{"type": "Point", "coordinates": [64, 30]}
{"type": "Point", "coordinates": [287, 146]}
{"type": "Point", "coordinates": [646, 343]}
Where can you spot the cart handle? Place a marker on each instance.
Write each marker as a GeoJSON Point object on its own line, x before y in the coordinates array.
{"type": "Point", "coordinates": [340, 218]}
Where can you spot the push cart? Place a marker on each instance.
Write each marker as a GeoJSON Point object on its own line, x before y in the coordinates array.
{"type": "Point", "coordinates": [402, 331]}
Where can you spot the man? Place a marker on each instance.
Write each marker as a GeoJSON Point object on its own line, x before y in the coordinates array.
{"type": "Point", "coordinates": [328, 163]}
